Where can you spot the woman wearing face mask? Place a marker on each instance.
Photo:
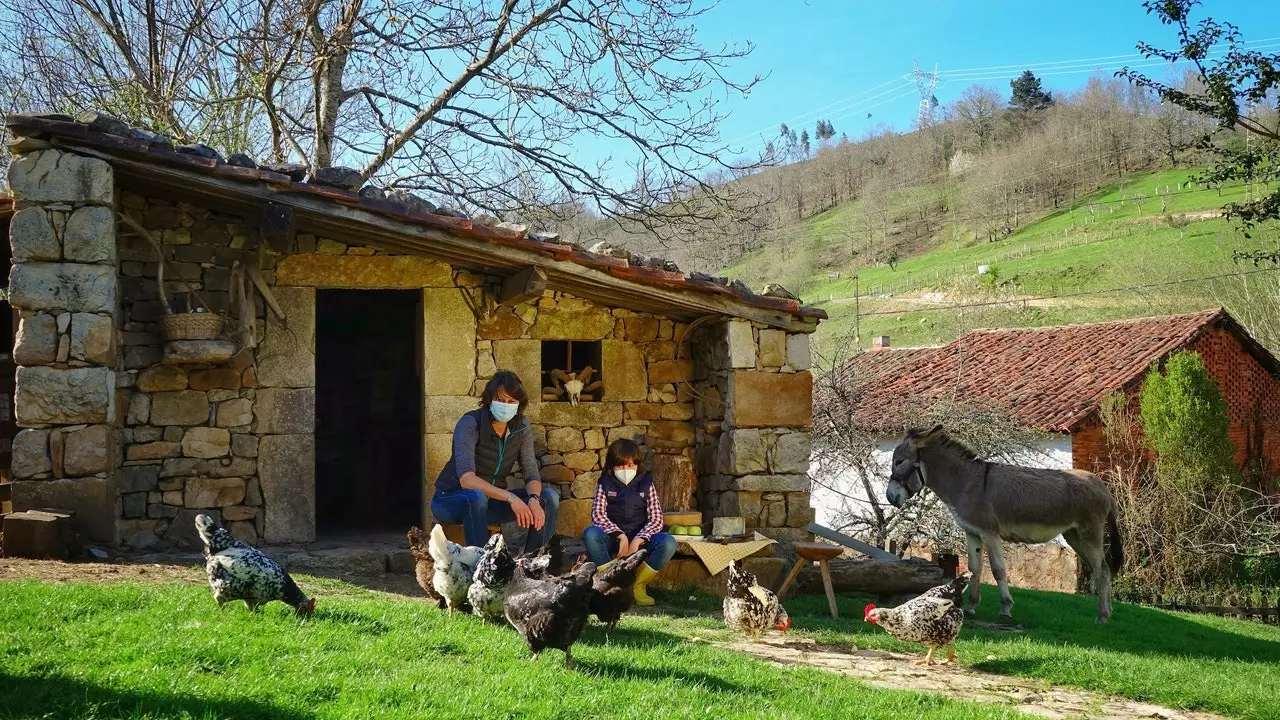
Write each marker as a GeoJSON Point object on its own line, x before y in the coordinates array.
{"type": "Point", "coordinates": [487, 443]}
{"type": "Point", "coordinates": [626, 516]}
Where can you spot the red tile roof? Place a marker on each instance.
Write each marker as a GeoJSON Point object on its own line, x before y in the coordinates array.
{"type": "Point", "coordinates": [459, 226]}
{"type": "Point", "coordinates": [1049, 378]}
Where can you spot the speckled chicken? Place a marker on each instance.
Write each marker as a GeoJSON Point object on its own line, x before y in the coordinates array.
{"type": "Point", "coordinates": [549, 612]}
{"type": "Point", "coordinates": [750, 608]}
{"type": "Point", "coordinates": [455, 567]}
{"type": "Point", "coordinates": [424, 568]}
{"type": "Point", "coordinates": [489, 585]}
{"type": "Point", "coordinates": [238, 571]}
{"type": "Point", "coordinates": [611, 589]}
{"type": "Point", "coordinates": [933, 619]}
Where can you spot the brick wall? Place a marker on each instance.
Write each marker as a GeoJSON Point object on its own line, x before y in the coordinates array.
{"type": "Point", "coordinates": [1253, 408]}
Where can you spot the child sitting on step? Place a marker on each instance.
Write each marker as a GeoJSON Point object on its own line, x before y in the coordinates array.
{"type": "Point", "coordinates": [626, 515]}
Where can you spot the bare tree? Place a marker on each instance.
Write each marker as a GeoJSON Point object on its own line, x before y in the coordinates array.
{"type": "Point", "coordinates": [486, 103]}
{"type": "Point", "coordinates": [978, 112]}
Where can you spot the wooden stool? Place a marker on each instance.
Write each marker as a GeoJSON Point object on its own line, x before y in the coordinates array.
{"type": "Point", "coordinates": [819, 553]}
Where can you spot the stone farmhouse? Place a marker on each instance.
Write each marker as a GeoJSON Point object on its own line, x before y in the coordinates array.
{"type": "Point", "coordinates": [194, 334]}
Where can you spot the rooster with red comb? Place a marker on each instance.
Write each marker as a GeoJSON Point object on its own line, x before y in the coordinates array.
{"type": "Point", "coordinates": [933, 619]}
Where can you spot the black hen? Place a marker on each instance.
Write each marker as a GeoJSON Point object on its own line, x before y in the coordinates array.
{"type": "Point", "coordinates": [489, 585]}
{"type": "Point", "coordinates": [612, 590]}
{"type": "Point", "coordinates": [549, 612]}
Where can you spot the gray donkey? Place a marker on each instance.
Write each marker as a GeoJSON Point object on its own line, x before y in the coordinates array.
{"type": "Point", "coordinates": [993, 502]}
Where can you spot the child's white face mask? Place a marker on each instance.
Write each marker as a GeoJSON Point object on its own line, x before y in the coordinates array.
{"type": "Point", "coordinates": [625, 475]}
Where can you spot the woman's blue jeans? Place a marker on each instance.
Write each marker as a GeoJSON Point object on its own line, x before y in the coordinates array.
{"type": "Point", "coordinates": [474, 511]}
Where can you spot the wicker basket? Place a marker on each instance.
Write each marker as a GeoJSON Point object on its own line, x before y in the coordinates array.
{"type": "Point", "coordinates": [193, 326]}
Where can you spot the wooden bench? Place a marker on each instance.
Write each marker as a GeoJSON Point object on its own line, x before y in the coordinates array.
{"type": "Point", "coordinates": [820, 553]}
{"type": "Point", "coordinates": [454, 534]}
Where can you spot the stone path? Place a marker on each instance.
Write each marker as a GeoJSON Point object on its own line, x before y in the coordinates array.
{"type": "Point", "coordinates": [898, 671]}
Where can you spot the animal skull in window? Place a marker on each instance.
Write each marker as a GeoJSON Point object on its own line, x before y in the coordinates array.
{"type": "Point", "coordinates": [574, 384]}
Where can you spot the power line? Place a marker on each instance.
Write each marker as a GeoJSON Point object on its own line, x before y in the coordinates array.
{"type": "Point", "coordinates": [1018, 66]}
{"type": "Point", "coordinates": [1082, 293]}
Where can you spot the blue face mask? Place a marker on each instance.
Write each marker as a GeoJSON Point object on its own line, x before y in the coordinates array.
{"type": "Point", "coordinates": [503, 411]}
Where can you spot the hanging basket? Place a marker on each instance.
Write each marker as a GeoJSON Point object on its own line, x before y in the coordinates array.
{"type": "Point", "coordinates": [193, 326]}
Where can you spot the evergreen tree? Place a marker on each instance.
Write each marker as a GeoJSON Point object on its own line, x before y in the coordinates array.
{"type": "Point", "coordinates": [1027, 93]}
{"type": "Point", "coordinates": [804, 142]}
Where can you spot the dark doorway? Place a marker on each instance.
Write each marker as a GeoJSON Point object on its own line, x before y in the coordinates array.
{"type": "Point", "coordinates": [368, 411]}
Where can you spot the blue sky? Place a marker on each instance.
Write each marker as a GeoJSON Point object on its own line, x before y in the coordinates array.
{"type": "Point", "coordinates": [821, 52]}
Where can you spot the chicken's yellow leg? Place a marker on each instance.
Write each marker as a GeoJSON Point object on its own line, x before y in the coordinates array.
{"type": "Point", "coordinates": [928, 659]}
{"type": "Point", "coordinates": [951, 654]}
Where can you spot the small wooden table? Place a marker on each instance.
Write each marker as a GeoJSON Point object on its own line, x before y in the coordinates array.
{"type": "Point", "coordinates": [819, 553]}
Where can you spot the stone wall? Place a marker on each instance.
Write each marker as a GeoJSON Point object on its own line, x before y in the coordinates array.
{"type": "Point", "coordinates": [63, 284]}
{"type": "Point", "coordinates": [754, 415]}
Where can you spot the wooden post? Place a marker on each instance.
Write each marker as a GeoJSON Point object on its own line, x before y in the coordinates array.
{"type": "Point", "coordinates": [826, 584]}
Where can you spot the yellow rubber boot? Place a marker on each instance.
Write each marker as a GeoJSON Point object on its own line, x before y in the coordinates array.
{"type": "Point", "coordinates": [644, 574]}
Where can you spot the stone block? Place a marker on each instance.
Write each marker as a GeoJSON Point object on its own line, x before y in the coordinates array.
{"type": "Point", "coordinates": [64, 286]}
{"type": "Point", "coordinates": [286, 472]}
{"type": "Point", "coordinates": [742, 344]}
{"type": "Point", "coordinates": [799, 510]}
{"type": "Point", "coordinates": [761, 399]}
{"type": "Point", "coordinates": [88, 451]}
{"type": "Point", "coordinates": [670, 371]}
{"type": "Point", "coordinates": [37, 340]}
{"type": "Point", "coordinates": [589, 414]}
{"type": "Point", "coordinates": [564, 440]}
{"type": "Point", "coordinates": [286, 411]}
{"type": "Point", "coordinates": [239, 512]}
{"type": "Point", "coordinates": [370, 272]}
{"type": "Point", "coordinates": [244, 445]}
{"type": "Point", "coordinates": [444, 411]}
{"type": "Point", "coordinates": [56, 396]}
{"type": "Point", "coordinates": [158, 450]}
{"type": "Point", "coordinates": [746, 505]}
{"type": "Point", "coordinates": [213, 492]}
{"type": "Point", "coordinates": [139, 478]}
{"type": "Point", "coordinates": [182, 530]}
{"type": "Point", "coordinates": [625, 377]}
{"type": "Point", "coordinates": [286, 357]}
{"type": "Point", "coordinates": [243, 530]}
{"type": "Point", "coordinates": [501, 325]}
{"type": "Point", "coordinates": [90, 236]}
{"type": "Point", "coordinates": [574, 517]}
{"type": "Point", "coordinates": [93, 338]}
{"type": "Point", "coordinates": [206, 442]}
{"type": "Point", "coordinates": [742, 452]}
{"type": "Point", "coordinates": [585, 323]}
{"type": "Point", "coordinates": [199, 352]}
{"type": "Point", "coordinates": [30, 452]}
{"type": "Point", "coordinates": [524, 358]}
{"type": "Point", "coordinates": [643, 411]}
{"type": "Point", "coordinates": [773, 348]}
{"type": "Point", "coordinates": [235, 413]}
{"type": "Point", "coordinates": [449, 352]}
{"type": "Point", "coordinates": [162, 378]}
{"type": "Point", "coordinates": [677, 411]}
{"type": "Point", "coordinates": [790, 453]}
{"type": "Point", "coordinates": [56, 176]}
{"type": "Point", "coordinates": [593, 438]}
{"type": "Point", "coordinates": [628, 432]}
{"type": "Point", "coordinates": [582, 461]}
{"type": "Point", "coordinates": [31, 236]}
{"type": "Point", "coordinates": [772, 483]}
{"type": "Point", "coordinates": [556, 474]}
{"type": "Point", "coordinates": [180, 407]}
{"type": "Point", "coordinates": [214, 379]}
{"type": "Point", "coordinates": [798, 353]}
{"type": "Point", "coordinates": [39, 535]}
{"type": "Point", "coordinates": [584, 485]}
{"type": "Point", "coordinates": [640, 329]}
{"type": "Point", "coordinates": [134, 505]}
{"type": "Point", "coordinates": [92, 499]}
{"type": "Point", "coordinates": [438, 448]}
{"type": "Point", "coordinates": [669, 435]}
{"type": "Point", "coordinates": [659, 350]}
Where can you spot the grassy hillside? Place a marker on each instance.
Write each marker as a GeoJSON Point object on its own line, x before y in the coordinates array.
{"type": "Point", "coordinates": [1102, 242]}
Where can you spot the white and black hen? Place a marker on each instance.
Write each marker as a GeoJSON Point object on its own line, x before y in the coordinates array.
{"type": "Point", "coordinates": [493, 573]}
{"type": "Point", "coordinates": [455, 568]}
{"type": "Point", "coordinates": [933, 619]}
{"type": "Point", "coordinates": [238, 571]}
{"type": "Point", "coordinates": [750, 608]}
{"type": "Point", "coordinates": [549, 612]}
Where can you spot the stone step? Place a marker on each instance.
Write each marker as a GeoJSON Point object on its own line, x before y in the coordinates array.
{"type": "Point", "coordinates": [39, 534]}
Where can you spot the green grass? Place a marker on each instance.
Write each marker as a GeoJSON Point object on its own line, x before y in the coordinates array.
{"type": "Point", "coordinates": [151, 651]}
